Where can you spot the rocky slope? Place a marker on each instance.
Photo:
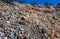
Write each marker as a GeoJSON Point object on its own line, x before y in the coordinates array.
{"type": "Point", "coordinates": [20, 21]}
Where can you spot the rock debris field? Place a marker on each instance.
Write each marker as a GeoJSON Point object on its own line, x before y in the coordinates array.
{"type": "Point", "coordinates": [20, 21]}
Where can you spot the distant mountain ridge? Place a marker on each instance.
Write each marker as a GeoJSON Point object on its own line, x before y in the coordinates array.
{"type": "Point", "coordinates": [54, 2]}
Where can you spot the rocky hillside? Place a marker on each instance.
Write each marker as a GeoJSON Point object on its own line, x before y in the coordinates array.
{"type": "Point", "coordinates": [20, 21]}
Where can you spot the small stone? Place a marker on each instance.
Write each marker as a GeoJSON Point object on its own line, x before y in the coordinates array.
{"type": "Point", "coordinates": [5, 24]}
{"type": "Point", "coordinates": [8, 22]}
{"type": "Point", "coordinates": [0, 37]}
{"type": "Point", "coordinates": [56, 35]}
{"type": "Point", "coordinates": [43, 31]}
{"type": "Point", "coordinates": [16, 8]}
{"type": "Point", "coordinates": [22, 22]}
{"type": "Point", "coordinates": [48, 31]}
{"type": "Point", "coordinates": [1, 24]}
{"type": "Point", "coordinates": [55, 38]}
{"type": "Point", "coordinates": [7, 34]}
{"type": "Point", "coordinates": [48, 37]}
{"type": "Point", "coordinates": [22, 29]}
{"type": "Point", "coordinates": [1, 14]}
{"type": "Point", "coordinates": [5, 38]}
{"type": "Point", "coordinates": [54, 17]}
{"type": "Point", "coordinates": [23, 18]}
{"type": "Point", "coordinates": [25, 38]}
{"type": "Point", "coordinates": [2, 18]}
{"type": "Point", "coordinates": [32, 28]}
{"type": "Point", "coordinates": [12, 36]}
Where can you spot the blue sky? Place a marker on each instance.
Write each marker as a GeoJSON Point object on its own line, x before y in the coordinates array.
{"type": "Point", "coordinates": [54, 2]}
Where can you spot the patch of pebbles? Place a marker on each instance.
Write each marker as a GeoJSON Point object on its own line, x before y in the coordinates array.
{"type": "Point", "coordinates": [19, 21]}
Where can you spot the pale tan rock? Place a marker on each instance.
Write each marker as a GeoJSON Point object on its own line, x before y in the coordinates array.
{"type": "Point", "coordinates": [48, 37]}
